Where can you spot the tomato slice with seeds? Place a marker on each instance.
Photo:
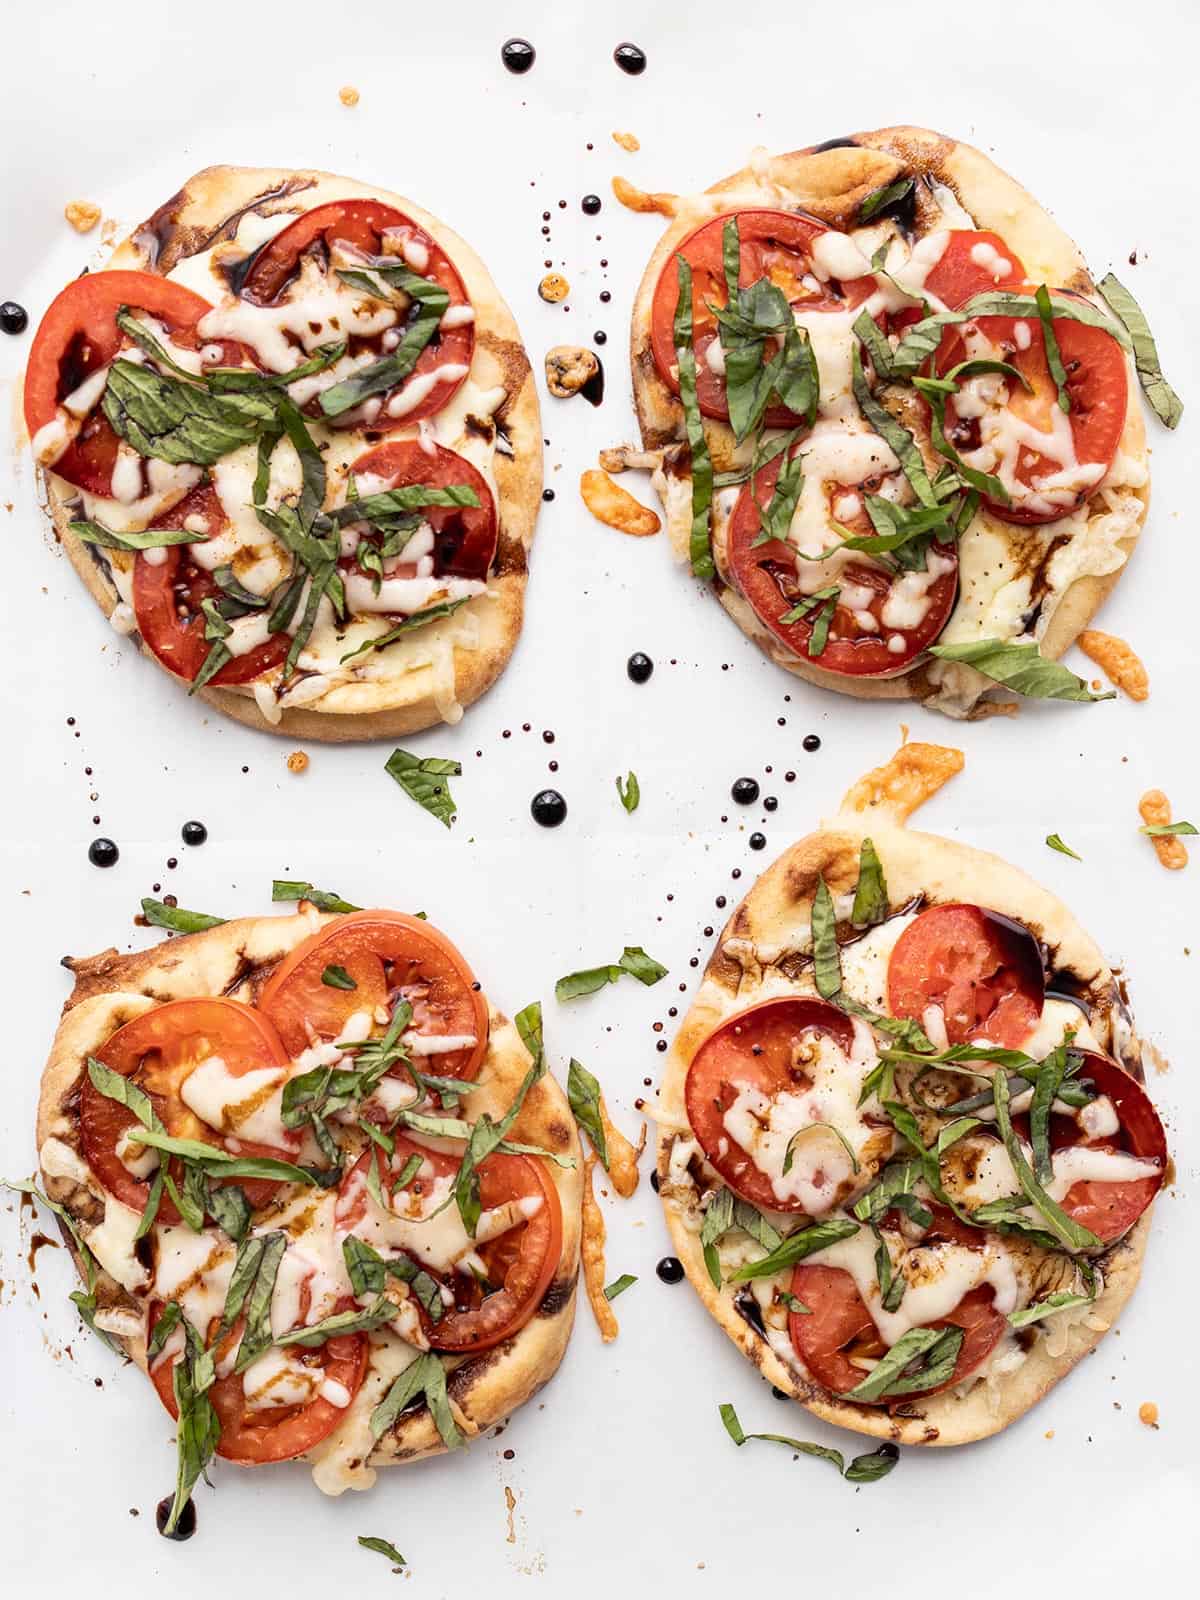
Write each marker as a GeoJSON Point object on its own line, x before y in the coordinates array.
{"type": "Point", "coordinates": [1049, 462]}
{"type": "Point", "coordinates": [159, 1051]}
{"type": "Point", "coordinates": [766, 574]}
{"type": "Point", "coordinates": [519, 1263]}
{"type": "Point", "coordinates": [168, 594]}
{"type": "Point", "coordinates": [839, 1326]}
{"type": "Point", "coordinates": [388, 956]}
{"type": "Point", "coordinates": [1110, 1208]}
{"type": "Point", "coordinates": [276, 1433]}
{"type": "Point", "coordinates": [975, 261]}
{"type": "Point", "coordinates": [758, 1049]}
{"type": "Point", "coordinates": [370, 225]}
{"type": "Point", "coordinates": [774, 244]}
{"type": "Point", "coordinates": [464, 537]}
{"type": "Point", "coordinates": [983, 970]}
{"type": "Point", "coordinates": [79, 335]}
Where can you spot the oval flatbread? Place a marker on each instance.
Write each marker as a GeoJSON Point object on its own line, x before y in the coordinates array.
{"type": "Point", "coordinates": [1035, 583]}
{"type": "Point", "coordinates": [206, 238]}
{"type": "Point", "coordinates": [235, 960]}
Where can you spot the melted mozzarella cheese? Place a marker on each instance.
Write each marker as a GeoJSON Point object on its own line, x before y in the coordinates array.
{"type": "Point", "coordinates": [112, 1242]}
{"type": "Point", "coordinates": [280, 1378]}
{"type": "Point", "coordinates": [772, 1128]}
{"type": "Point", "coordinates": [249, 1105]}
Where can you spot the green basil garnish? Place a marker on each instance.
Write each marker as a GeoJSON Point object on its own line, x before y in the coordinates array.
{"type": "Point", "coordinates": [633, 961]}
{"type": "Point", "coordinates": [1055, 842]}
{"type": "Point", "coordinates": [1164, 402]}
{"type": "Point", "coordinates": [870, 894]}
{"type": "Point", "coordinates": [383, 1548]}
{"type": "Point", "coordinates": [629, 792]}
{"type": "Point", "coordinates": [619, 1285]}
{"type": "Point", "coordinates": [795, 1247]}
{"type": "Point", "coordinates": [424, 1376]}
{"type": "Point", "coordinates": [283, 889]}
{"type": "Point", "coordinates": [863, 1469]}
{"type": "Point", "coordinates": [1021, 668]}
{"type": "Point", "coordinates": [423, 779]}
{"type": "Point", "coordinates": [930, 1353]}
{"type": "Point", "coordinates": [702, 472]}
{"type": "Point", "coordinates": [335, 977]}
{"type": "Point", "coordinates": [583, 1093]}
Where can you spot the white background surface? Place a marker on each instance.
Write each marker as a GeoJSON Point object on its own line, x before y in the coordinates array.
{"type": "Point", "coordinates": [622, 1473]}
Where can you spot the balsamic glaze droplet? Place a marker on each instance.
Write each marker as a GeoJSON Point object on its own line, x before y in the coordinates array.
{"type": "Point", "coordinates": [670, 1269]}
{"type": "Point", "coordinates": [547, 495]}
{"type": "Point", "coordinates": [654, 1182]}
{"type": "Point", "coordinates": [518, 55]}
{"type": "Point", "coordinates": [15, 319]}
{"type": "Point", "coordinates": [744, 791]}
{"type": "Point", "coordinates": [631, 58]}
{"type": "Point", "coordinates": [780, 1394]}
{"type": "Point", "coordinates": [812, 741]}
{"type": "Point", "coordinates": [639, 666]}
{"type": "Point", "coordinates": [771, 803]}
{"type": "Point", "coordinates": [590, 204]}
{"type": "Point", "coordinates": [184, 1528]}
{"type": "Point", "coordinates": [548, 808]}
{"type": "Point", "coordinates": [103, 853]}
{"type": "Point", "coordinates": [593, 389]}
{"type": "Point", "coordinates": [758, 841]}
{"type": "Point", "coordinates": [193, 833]}
{"type": "Point", "coordinates": [600, 337]}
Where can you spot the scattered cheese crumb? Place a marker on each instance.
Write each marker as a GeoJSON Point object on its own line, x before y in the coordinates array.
{"type": "Point", "coordinates": [615, 506]}
{"type": "Point", "coordinates": [592, 1251]}
{"type": "Point", "coordinates": [554, 287]}
{"type": "Point", "coordinates": [914, 773]}
{"type": "Point", "coordinates": [569, 368]}
{"type": "Point", "coordinates": [635, 199]}
{"type": "Point", "coordinates": [1118, 660]}
{"type": "Point", "coordinates": [348, 95]}
{"type": "Point", "coordinates": [82, 215]}
{"type": "Point", "coordinates": [1148, 1413]}
{"type": "Point", "coordinates": [297, 761]}
{"type": "Point", "coordinates": [1156, 813]}
{"type": "Point", "coordinates": [622, 1156]}
{"type": "Point", "coordinates": [627, 141]}
{"type": "Point", "coordinates": [1049, 1433]}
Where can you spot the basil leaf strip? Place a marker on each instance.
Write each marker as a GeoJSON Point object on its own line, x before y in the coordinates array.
{"type": "Point", "coordinates": [1061, 1300]}
{"type": "Point", "coordinates": [1162, 830]}
{"type": "Point", "coordinates": [165, 419]}
{"type": "Point", "coordinates": [198, 1429]}
{"type": "Point", "coordinates": [870, 894]}
{"type": "Point", "coordinates": [863, 1469]}
{"type": "Point", "coordinates": [341, 1322]}
{"type": "Point", "coordinates": [335, 977]}
{"type": "Point", "coordinates": [827, 965]}
{"type": "Point", "coordinates": [795, 1247]}
{"type": "Point", "coordinates": [324, 899]}
{"type": "Point", "coordinates": [1055, 842]}
{"type": "Point", "coordinates": [583, 1093]}
{"type": "Point", "coordinates": [419, 619]}
{"type": "Point", "coordinates": [152, 539]}
{"type": "Point", "coordinates": [936, 1349]}
{"type": "Point", "coordinates": [168, 1321]}
{"type": "Point", "coordinates": [430, 301]}
{"type": "Point", "coordinates": [160, 915]}
{"type": "Point", "coordinates": [1164, 402]}
{"type": "Point", "coordinates": [369, 1271]}
{"type": "Point", "coordinates": [383, 1548]}
{"type": "Point", "coordinates": [892, 432]}
{"type": "Point", "coordinates": [880, 199]}
{"type": "Point", "coordinates": [1053, 356]}
{"type": "Point", "coordinates": [116, 1086]}
{"type": "Point", "coordinates": [619, 1286]}
{"type": "Point", "coordinates": [629, 792]}
{"type": "Point", "coordinates": [984, 482]}
{"type": "Point", "coordinates": [633, 961]}
{"type": "Point", "coordinates": [1021, 668]}
{"type": "Point", "coordinates": [249, 1293]}
{"type": "Point", "coordinates": [424, 1376]}
{"type": "Point", "coordinates": [423, 779]}
{"type": "Point", "coordinates": [1071, 1234]}
{"type": "Point", "coordinates": [702, 472]}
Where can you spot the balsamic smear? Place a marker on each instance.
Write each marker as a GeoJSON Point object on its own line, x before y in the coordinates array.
{"type": "Point", "coordinates": [15, 319]}
{"type": "Point", "coordinates": [593, 389]}
{"type": "Point", "coordinates": [631, 58]}
{"type": "Point", "coordinates": [518, 55]}
{"type": "Point", "coordinates": [184, 1528]}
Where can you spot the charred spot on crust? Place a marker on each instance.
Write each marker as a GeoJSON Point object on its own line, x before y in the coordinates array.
{"type": "Point", "coordinates": [558, 1133]}
{"type": "Point", "coordinates": [460, 1382]}
{"type": "Point", "coordinates": [557, 1297]}
{"type": "Point", "coordinates": [166, 241]}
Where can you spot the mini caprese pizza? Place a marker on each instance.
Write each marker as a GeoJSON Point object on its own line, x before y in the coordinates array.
{"type": "Point", "coordinates": [320, 1191]}
{"type": "Point", "coordinates": [892, 419]}
{"type": "Point", "coordinates": [906, 1153]}
{"type": "Point", "coordinates": [289, 438]}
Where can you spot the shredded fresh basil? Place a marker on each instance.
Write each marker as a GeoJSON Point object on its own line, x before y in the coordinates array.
{"type": "Point", "coordinates": [870, 894]}
{"type": "Point", "coordinates": [584, 1095]}
{"type": "Point", "coordinates": [159, 914]}
{"type": "Point", "coordinates": [382, 1547]}
{"type": "Point", "coordinates": [700, 542]}
{"type": "Point", "coordinates": [795, 1247]}
{"type": "Point", "coordinates": [1020, 667]}
{"type": "Point", "coordinates": [1055, 842]}
{"type": "Point", "coordinates": [921, 1359]}
{"type": "Point", "coordinates": [1164, 402]}
{"type": "Point", "coordinates": [629, 792]}
{"type": "Point", "coordinates": [423, 779]}
{"type": "Point", "coordinates": [619, 1285]}
{"type": "Point", "coordinates": [881, 199]}
{"type": "Point", "coordinates": [424, 1376]}
{"type": "Point", "coordinates": [283, 889]}
{"type": "Point", "coordinates": [863, 1469]}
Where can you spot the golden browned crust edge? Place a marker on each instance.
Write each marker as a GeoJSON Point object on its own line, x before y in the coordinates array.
{"type": "Point", "coordinates": [832, 184]}
{"type": "Point", "coordinates": [781, 898]}
{"type": "Point", "coordinates": [208, 207]}
{"type": "Point", "coordinates": [111, 987]}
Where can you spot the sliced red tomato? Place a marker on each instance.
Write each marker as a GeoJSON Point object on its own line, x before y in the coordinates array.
{"type": "Point", "coordinates": [968, 266]}
{"type": "Point", "coordinates": [464, 536]}
{"type": "Point", "coordinates": [774, 244]}
{"type": "Point", "coordinates": [520, 1263]}
{"type": "Point", "coordinates": [276, 1433]}
{"type": "Point", "coordinates": [839, 1326]}
{"type": "Point", "coordinates": [984, 971]}
{"type": "Point", "coordinates": [1110, 1209]}
{"type": "Point", "coordinates": [365, 224]}
{"type": "Point", "coordinates": [79, 334]}
{"type": "Point", "coordinates": [389, 956]}
{"type": "Point", "coordinates": [1098, 388]}
{"type": "Point", "coordinates": [167, 596]}
{"type": "Point", "coordinates": [757, 1049]}
{"type": "Point", "coordinates": [766, 575]}
{"type": "Point", "coordinates": [159, 1051]}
